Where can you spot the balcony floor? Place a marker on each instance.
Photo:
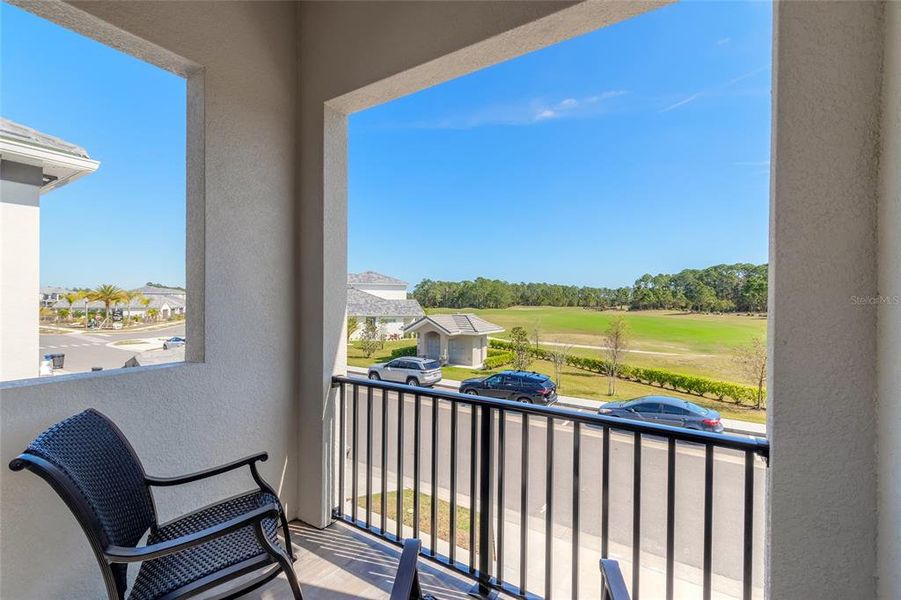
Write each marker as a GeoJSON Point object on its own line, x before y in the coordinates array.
{"type": "Point", "coordinates": [341, 562]}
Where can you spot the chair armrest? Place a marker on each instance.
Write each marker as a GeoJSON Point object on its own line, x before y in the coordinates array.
{"type": "Point", "coordinates": [613, 586]}
{"type": "Point", "coordinates": [123, 554]}
{"type": "Point", "coordinates": [167, 481]}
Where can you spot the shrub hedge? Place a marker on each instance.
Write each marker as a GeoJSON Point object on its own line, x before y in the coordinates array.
{"type": "Point", "coordinates": [687, 384]}
{"type": "Point", "coordinates": [498, 359]}
{"type": "Point", "coordinates": [403, 351]}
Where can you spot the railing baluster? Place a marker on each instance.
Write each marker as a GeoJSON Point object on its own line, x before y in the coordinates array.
{"type": "Point", "coordinates": [473, 463]}
{"type": "Point", "coordinates": [605, 493]}
{"type": "Point", "coordinates": [355, 477]}
{"type": "Point", "coordinates": [549, 511]}
{"type": "Point", "coordinates": [434, 525]}
{"type": "Point", "coordinates": [486, 478]}
{"type": "Point", "coordinates": [383, 505]}
{"type": "Point", "coordinates": [501, 459]}
{"type": "Point", "coordinates": [577, 459]}
{"type": "Point", "coordinates": [400, 466]}
{"type": "Point", "coordinates": [369, 457]}
{"type": "Point", "coordinates": [342, 443]}
{"type": "Point", "coordinates": [670, 516]}
{"type": "Point", "coordinates": [417, 426]}
{"type": "Point", "coordinates": [636, 515]}
{"type": "Point", "coordinates": [452, 537]}
{"type": "Point", "coordinates": [708, 519]}
{"type": "Point", "coordinates": [524, 507]}
{"type": "Point", "coordinates": [747, 555]}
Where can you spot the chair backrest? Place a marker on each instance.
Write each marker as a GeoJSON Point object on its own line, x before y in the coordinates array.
{"type": "Point", "coordinates": [101, 467]}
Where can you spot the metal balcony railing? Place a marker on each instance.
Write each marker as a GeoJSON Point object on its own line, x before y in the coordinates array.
{"type": "Point", "coordinates": [379, 407]}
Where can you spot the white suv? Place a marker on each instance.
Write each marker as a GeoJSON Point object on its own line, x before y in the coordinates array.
{"type": "Point", "coordinates": [408, 369]}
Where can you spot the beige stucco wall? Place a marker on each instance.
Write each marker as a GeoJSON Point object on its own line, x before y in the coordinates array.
{"type": "Point", "coordinates": [822, 479]}
{"type": "Point", "coordinates": [241, 399]}
{"type": "Point", "coordinates": [19, 284]}
{"type": "Point", "coordinates": [889, 314]}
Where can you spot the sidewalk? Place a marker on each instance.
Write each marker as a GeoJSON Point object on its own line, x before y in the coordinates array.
{"type": "Point", "coordinates": [731, 425]}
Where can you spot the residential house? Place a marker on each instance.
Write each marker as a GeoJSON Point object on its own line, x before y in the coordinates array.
{"type": "Point", "coordinates": [32, 163]}
{"type": "Point", "coordinates": [371, 295]}
{"type": "Point", "coordinates": [460, 339]}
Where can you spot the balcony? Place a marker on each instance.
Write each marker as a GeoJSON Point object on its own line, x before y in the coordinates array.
{"type": "Point", "coordinates": [530, 497]}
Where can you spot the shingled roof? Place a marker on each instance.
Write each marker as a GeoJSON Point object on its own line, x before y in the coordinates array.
{"type": "Point", "coordinates": [362, 304]}
{"type": "Point", "coordinates": [459, 324]}
{"type": "Point", "coordinates": [22, 133]}
{"type": "Point", "coordinates": [373, 278]}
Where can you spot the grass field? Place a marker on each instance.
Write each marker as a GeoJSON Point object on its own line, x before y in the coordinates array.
{"type": "Point", "coordinates": [573, 382]}
{"type": "Point", "coordinates": [689, 343]}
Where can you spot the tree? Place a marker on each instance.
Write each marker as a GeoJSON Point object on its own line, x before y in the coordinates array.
{"type": "Point", "coordinates": [522, 353]}
{"type": "Point", "coordinates": [144, 301]}
{"type": "Point", "coordinates": [751, 359]}
{"type": "Point", "coordinates": [559, 356]}
{"type": "Point", "coordinates": [369, 338]}
{"type": "Point", "coordinates": [127, 297]}
{"type": "Point", "coordinates": [352, 325]}
{"type": "Point", "coordinates": [616, 340]}
{"type": "Point", "coordinates": [153, 313]}
{"type": "Point", "coordinates": [109, 295]}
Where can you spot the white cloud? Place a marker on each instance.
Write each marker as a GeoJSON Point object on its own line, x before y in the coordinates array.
{"type": "Point", "coordinates": [723, 41]}
{"type": "Point", "coordinates": [708, 91]}
{"type": "Point", "coordinates": [682, 102]}
{"type": "Point", "coordinates": [526, 113]}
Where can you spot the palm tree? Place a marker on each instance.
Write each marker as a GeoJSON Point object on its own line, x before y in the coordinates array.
{"type": "Point", "coordinates": [109, 295]}
{"type": "Point", "coordinates": [71, 298]}
{"type": "Point", "coordinates": [145, 302]}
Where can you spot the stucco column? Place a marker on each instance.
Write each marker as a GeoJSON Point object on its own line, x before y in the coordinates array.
{"type": "Point", "coordinates": [889, 313]}
{"type": "Point", "coordinates": [19, 269]}
{"type": "Point", "coordinates": [822, 382]}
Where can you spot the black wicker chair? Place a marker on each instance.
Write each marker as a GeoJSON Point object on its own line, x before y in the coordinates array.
{"type": "Point", "coordinates": [94, 469]}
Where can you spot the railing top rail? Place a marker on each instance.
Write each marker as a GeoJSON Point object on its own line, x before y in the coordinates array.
{"type": "Point", "coordinates": [759, 446]}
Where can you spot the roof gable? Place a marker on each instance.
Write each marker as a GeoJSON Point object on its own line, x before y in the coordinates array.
{"type": "Point", "coordinates": [372, 277]}
{"type": "Point", "coordinates": [457, 324]}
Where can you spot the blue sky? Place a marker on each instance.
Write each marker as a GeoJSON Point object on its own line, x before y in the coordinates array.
{"type": "Point", "coordinates": [125, 223]}
{"type": "Point", "coordinates": [641, 147]}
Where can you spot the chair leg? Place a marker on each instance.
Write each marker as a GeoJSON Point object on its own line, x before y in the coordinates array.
{"type": "Point", "coordinates": [288, 546]}
{"type": "Point", "coordinates": [279, 556]}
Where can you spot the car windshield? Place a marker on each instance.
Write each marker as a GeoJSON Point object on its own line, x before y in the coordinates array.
{"type": "Point", "coordinates": [430, 364]}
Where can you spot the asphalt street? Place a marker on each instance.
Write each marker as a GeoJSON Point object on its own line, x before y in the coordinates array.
{"type": "Point", "coordinates": [92, 348]}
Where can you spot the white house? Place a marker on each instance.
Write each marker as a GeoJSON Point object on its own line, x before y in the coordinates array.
{"type": "Point", "coordinates": [453, 339]}
{"type": "Point", "coordinates": [31, 164]}
{"type": "Point", "coordinates": [371, 295]}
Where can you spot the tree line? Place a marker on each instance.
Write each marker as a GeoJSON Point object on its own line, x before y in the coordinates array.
{"type": "Point", "coordinates": [721, 288]}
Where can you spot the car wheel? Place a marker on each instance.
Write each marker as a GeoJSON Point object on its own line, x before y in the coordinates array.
{"type": "Point", "coordinates": [471, 392]}
{"type": "Point", "coordinates": [374, 376]}
{"type": "Point", "coordinates": [524, 400]}
{"type": "Point", "coordinates": [412, 381]}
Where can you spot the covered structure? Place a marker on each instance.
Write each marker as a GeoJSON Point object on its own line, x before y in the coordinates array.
{"type": "Point", "coordinates": [460, 339]}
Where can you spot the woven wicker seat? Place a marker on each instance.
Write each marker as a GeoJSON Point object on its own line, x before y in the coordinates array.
{"type": "Point", "coordinates": [159, 577]}
{"type": "Point", "coordinates": [90, 464]}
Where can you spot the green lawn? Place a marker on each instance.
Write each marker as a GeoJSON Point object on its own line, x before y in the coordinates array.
{"type": "Point", "coordinates": [688, 343]}
{"type": "Point", "coordinates": [662, 331]}
{"type": "Point", "coordinates": [573, 382]}
{"type": "Point", "coordinates": [425, 514]}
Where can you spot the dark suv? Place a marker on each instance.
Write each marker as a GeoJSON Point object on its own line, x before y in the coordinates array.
{"type": "Point", "coordinates": [521, 386]}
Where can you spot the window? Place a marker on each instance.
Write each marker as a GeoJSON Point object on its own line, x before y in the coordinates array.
{"type": "Point", "coordinates": [93, 205]}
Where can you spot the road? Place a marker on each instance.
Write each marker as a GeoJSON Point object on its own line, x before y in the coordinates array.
{"type": "Point", "coordinates": [689, 514]}
{"type": "Point", "coordinates": [91, 348]}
